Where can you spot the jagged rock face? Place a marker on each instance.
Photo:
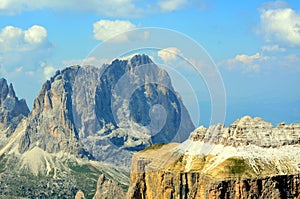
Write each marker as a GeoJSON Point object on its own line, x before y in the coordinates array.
{"type": "Point", "coordinates": [84, 105]}
{"type": "Point", "coordinates": [221, 162]}
{"type": "Point", "coordinates": [193, 185]}
{"type": "Point", "coordinates": [50, 124]}
{"type": "Point", "coordinates": [107, 188]}
{"type": "Point", "coordinates": [246, 131]}
{"type": "Point", "coordinates": [12, 110]}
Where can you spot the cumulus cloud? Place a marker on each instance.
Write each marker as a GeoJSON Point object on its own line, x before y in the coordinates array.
{"type": "Point", "coordinates": [49, 71]}
{"type": "Point", "coordinates": [246, 62]}
{"type": "Point", "coordinates": [171, 5]}
{"type": "Point", "coordinates": [273, 48]}
{"type": "Point", "coordinates": [93, 61]}
{"type": "Point", "coordinates": [279, 23]}
{"type": "Point", "coordinates": [23, 48]}
{"type": "Point", "coordinates": [16, 39]}
{"type": "Point", "coordinates": [169, 54]}
{"type": "Point", "coordinates": [106, 29]}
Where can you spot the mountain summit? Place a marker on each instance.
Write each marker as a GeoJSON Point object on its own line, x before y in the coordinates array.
{"type": "Point", "coordinates": [107, 113]}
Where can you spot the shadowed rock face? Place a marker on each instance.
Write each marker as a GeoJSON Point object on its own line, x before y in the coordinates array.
{"type": "Point", "coordinates": [107, 113]}
{"type": "Point", "coordinates": [12, 110]}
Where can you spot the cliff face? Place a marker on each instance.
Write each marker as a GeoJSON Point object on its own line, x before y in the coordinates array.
{"type": "Point", "coordinates": [107, 113]}
{"type": "Point", "coordinates": [12, 110]}
{"type": "Point", "coordinates": [50, 124]}
{"type": "Point", "coordinates": [194, 185]}
{"type": "Point", "coordinates": [241, 161]}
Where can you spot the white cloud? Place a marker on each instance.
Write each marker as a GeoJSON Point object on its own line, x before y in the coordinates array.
{"type": "Point", "coordinates": [24, 48]}
{"type": "Point", "coordinates": [111, 8]}
{"type": "Point", "coordinates": [35, 34]}
{"type": "Point", "coordinates": [106, 29]}
{"type": "Point", "coordinates": [169, 54]}
{"type": "Point", "coordinates": [93, 61]}
{"type": "Point", "coordinates": [171, 5]}
{"type": "Point", "coordinates": [16, 39]}
{"type": "Point", "coordinates": [246, 62]}
{"type": "Point", "coordinates": [122, 8]}
{"type": "Point", "coordinates": [273, 48]}
{"type": "Point", "coordinates": [278, 23]}
{"type": "Point", "coordinates": [49, 71]}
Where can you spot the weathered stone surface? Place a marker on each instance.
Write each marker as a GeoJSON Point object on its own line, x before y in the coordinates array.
{"type": "Point", "coordinates": [175, 185]}
{"type": "Point", "coordinates": [12, 110]}
{"type": "Point", "coordinates": [107, 188]}
{"type": "Point", "coordinates": [79, 195]}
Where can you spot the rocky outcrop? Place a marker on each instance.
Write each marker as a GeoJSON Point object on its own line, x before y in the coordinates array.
{"type": "Point", "coordinates": [79, 195]}
{"type": "Point", "coordinates": [12, 110]}
{"type": "Point", "coordinates": [246, 131]}
{"type": "Point", "coordinates": [107, 188]}
{"type": "Point", "coordinates": [221, 162]}
{"type": "Point", "coordinates": [107, 113]}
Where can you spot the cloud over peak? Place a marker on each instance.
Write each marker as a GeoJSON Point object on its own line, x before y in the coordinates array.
{"type": "Point", "coordinates": [169, 54]}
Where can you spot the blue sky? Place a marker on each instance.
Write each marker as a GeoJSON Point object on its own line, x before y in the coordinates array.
{"type": "Point", "coordinates": [255, 46]}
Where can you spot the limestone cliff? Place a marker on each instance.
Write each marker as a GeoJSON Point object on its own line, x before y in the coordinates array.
{"type": "Point", "coordinates": [248, 159]}
{"type": "Point", "coordinates": [193, 185]}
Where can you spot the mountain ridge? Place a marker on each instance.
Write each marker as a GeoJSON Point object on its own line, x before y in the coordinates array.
{"type": "Point", "coordinates": [204, 166]}
{"type": "Point", "coordinates": [73, 136]}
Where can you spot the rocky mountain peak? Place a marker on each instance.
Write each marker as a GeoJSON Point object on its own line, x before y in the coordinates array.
{"type": "Point", "coordinates": [12, 109]}
{"type": "Point", "coordinates": [112, 111]}
{"type": "Point", "coordinates": [139, 60]}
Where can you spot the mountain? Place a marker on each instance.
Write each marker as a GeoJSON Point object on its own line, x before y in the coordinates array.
{"type": "Point", "coordinates": [79, 111]}
{"type": "Point", "coordinates": [88, 121]}
{"type": "Point", "coordinates": [12, 110]}
{"type": "Point", "coordinates": [248, 159]}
